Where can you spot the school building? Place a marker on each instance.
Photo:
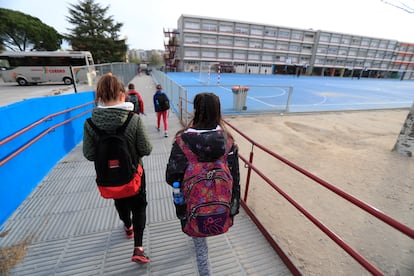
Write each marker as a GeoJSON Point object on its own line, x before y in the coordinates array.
{"type": "Point", "coordinates": [202, 43]}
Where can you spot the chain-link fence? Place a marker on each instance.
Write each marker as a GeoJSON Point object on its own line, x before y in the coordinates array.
{"type": "Point", "coordinates": [86, 77]}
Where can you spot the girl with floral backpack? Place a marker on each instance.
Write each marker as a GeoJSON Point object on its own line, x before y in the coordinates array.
{"type": "Point", "coordinates": [204, 160]}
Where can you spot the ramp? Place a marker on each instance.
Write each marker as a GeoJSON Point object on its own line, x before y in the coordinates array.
{"type": "Point", "coordinates": [71, 230]}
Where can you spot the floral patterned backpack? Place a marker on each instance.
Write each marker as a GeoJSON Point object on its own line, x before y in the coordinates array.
{"type": "Point", "coordinates": [207, 188]}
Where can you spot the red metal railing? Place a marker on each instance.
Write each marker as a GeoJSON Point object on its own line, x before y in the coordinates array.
{"type": "Point", "coordinates": [362, 205]}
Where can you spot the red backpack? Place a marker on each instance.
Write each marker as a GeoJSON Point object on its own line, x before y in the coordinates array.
{"type": "Point", "coordinates": [207, 188]}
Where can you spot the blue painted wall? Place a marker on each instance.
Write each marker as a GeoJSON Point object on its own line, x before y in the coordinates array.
{"type": "Point", "coordinates": [20, 175]}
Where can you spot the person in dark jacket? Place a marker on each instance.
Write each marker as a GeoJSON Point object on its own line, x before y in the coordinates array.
{"type": "Point", "coordinates": [207, 137]}
{"type": "Point", "coordinates": [161, 108]}
{"type": "Point", "coordinates": [111, 112]}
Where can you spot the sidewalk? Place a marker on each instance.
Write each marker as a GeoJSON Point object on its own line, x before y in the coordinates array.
{"type": "Point", "coordinates": [73, 231]}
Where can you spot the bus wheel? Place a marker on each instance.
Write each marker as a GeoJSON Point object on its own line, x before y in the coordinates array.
{"type": "Point", "coordinates": [67, 81]}
{"type": "Point", "coordinates": [22, 82]}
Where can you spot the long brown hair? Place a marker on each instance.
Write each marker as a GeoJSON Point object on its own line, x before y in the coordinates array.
{"type": "Point", "coordinates": [108, 88]}
{"type": "Point", "coordinates": [207, 113]}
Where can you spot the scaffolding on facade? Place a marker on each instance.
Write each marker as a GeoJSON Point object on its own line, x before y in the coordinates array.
{"type": "Point", "coordinates": [171, 45]}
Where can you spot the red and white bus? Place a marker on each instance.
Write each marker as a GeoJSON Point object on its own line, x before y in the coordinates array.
{"type": "Point", "coordinates": [36, 67]}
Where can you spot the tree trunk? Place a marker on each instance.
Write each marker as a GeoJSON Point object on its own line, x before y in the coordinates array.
{"type": "Point", "coordinates": [405, 141]}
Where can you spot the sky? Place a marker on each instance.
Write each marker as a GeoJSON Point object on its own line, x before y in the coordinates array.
{"type": "Point", "coordinates": [144, 20]}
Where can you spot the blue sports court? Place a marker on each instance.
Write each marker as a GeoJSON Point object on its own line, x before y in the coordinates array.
{"type": "Point", "coordinates": [281, 93]}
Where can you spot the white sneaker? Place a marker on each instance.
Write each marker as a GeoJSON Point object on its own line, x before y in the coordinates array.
{"type": "Point", "coordinates": [166, 134]}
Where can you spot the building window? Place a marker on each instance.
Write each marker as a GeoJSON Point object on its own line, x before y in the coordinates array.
{"type": "Point", "coordinates": [268, 45]}
{"type": "Point", "coordinates": [254, 56]}
{"type": "Point", "coordinates": [304, 60]}
{"type": "Point", "coordinates": [343, 51]}
{"type": "Point", "coordinates": [383, 45]}
{"type": "Point", "coordinates": [239, 55]}
{"type": "Point", "coordinates": [209, 40]}
{"type": "Point", "coordinates": [297, 36]}
{"type": "Point", "coordinates": [362, 53]}
{"type": "Point", "coordinates": [346, 40]}
{"type": "Point", "coordinates": [226, 28]}
{"type": "Point", "coordinates": [267, 58]}
{"type": "Point", "coordinates": [192, 25]}
{"type": "Point", "coordinates": [211, 27]}
{"type": "Point", "coordinates": [307, 49]}
{"type": "Point", "coordinates": [321, 50]}
{"type": "Point", "coordinates": [352, 52]}
{"type": "Point", "coordinates": [240, 43]}
{"type": "Point", "coordinates": [324, 38]}
{"type": "Point", "coordinates": [367, 64]}
{"type": "Point", "coordinates": [225, 41]}
{"type": "Point", "coordinates": [191, 40]}
{"type": "Point", "coordinates": [191, 53]}
{"type": "Point", "coordinates": [309, 37]}
{"type": "Point", "coordinates": [335, 39]}
{"type": "Point", "coordinates": [332, 50]}
{"type": "Point", "coordinates": [224, 55]}
{"type": "Point", "coordinates": [292, 60]}
{"type": "Point", "coordinates": [256, 32]}
{"type": "Point", "coordinates": [282, 46]}
{"type": "Point", "coordinates": [270, 33]}
{"type": "Point", "coordinates": [242, 30]}
{"type": "Point", "coordinates": [294, 48]}
{"type": "Point", "coordinates": [374, 43]}
{"type": "Point", "coordinates": [284, 33]}
{"type": "Point", "coordinates": [392, 45]}
{"type": "Point", "coordinates": [365, 42]}
{"type": "Point", "coordinates": [356, 41]}
{"type": "Point", "coordinates": [330, 61]}
{"type": "Point", "coordinates": [208, 54]}
{"type": "Point", "coordinates": [255, 44]}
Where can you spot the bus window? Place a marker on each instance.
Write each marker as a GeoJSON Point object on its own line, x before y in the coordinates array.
{"type": "Point", "coordinates": [4, 64]}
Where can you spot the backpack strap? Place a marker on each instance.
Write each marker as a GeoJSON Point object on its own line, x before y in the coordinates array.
{"type": "Point", "coordinates": [192, 156]}
{"type": "Point", "coordinates": [119, 130]}
{"type": "Point", "coordinates": [122, 128]}
{"type": "Point", "coordinates": [186, 150]}
{"type": "Point", "coordinates": [94, 127]}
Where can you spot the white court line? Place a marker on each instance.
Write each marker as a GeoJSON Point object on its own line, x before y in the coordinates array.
{"type": "Point", "coordinates": [259, 101]}
{"type": "Point", "coordinates": [351, 104]}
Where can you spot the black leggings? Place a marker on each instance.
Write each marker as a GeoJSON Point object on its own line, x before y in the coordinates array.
{"type": "Point", "coordinates": [136, 205]}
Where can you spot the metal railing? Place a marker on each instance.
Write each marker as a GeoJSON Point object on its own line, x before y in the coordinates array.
{"type": "Point", "coordinates": [184, 116]}
{"type": "Point", "coordinates": [362, 205]}
{"type": "Point", "coordinates": [40, 135]}
{"type": "Point", "coordinates": [86, 79]}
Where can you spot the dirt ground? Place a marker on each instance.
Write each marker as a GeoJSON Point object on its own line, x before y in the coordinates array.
{"type": "Point", "coordinates": [351, 151]}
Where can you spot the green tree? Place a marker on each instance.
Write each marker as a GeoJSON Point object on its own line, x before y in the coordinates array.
{"type": "Point", "coordinates": [21, 32]}
{"type": "Point", "coordinates": [155, 59]}
{"type": "Point", "coordinates": [95, 32]}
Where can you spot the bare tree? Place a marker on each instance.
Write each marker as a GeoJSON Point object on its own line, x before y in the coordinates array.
{"type": "Point", "coordinates": [399, 5]}
{"type": "Point", "coordinates": [405, 140]}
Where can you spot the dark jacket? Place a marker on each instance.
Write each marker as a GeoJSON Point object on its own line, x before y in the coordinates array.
{"type": "Point", "coordinates": [109, 119]}
{"type": "Point", "coordinates": [208, 145]}
{"type": "Point", "coordinates": [154, 98]}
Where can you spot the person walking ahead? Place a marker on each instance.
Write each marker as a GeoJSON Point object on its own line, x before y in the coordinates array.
{"type": "Point", "coordinates": [205, 143]}
{"type": "Point", "coordinates": [112, 111]}
{"type": "Point", "coordinates": [161, 106]}
{"type": "Point", "coordinates": [135, 97]}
